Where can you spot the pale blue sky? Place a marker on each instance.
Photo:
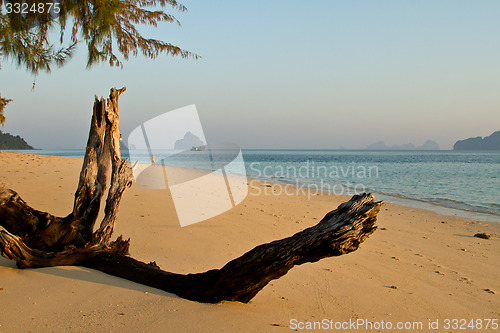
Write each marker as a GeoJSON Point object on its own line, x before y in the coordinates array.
{"type": "Point", "coordinates": [291, 74]}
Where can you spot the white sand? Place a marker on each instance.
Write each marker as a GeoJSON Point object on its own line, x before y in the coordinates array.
{"type": "Point", "coordinates": [417, 253]}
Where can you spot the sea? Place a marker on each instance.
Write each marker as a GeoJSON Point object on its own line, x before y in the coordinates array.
{"type": "Point", "coordinates": [465, 184]}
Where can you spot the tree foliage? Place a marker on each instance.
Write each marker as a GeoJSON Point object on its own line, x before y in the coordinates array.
{"type": "Point", "coordinates": [3, 104]}
{"type": "Point", "coordinates": [109, 29]}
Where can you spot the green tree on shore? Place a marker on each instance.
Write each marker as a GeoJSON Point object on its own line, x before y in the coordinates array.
{"type": "Point", "coordinates": [100, 24]}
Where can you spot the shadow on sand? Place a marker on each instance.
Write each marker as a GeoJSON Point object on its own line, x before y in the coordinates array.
{"type": "Point", "coordinates": [88, 275]}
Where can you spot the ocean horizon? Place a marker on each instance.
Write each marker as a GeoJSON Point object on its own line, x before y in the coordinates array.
{"type": "Point", "coordinates": [448, 182]}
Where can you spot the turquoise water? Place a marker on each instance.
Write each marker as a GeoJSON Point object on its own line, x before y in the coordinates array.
{"type": "Point", "coordinates": [457, 181]}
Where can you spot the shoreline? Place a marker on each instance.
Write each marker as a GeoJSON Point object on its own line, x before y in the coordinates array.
{"type": "Point", "coordinates": [387, 198]}
{"type": "Point", "coordinates": [398, 199]}
{"type": "Point", "coordinates": [406, 202]}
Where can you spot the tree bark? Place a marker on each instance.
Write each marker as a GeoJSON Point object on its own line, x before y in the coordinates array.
{"type": "Point", "coordinates": [37, 239]}
{"type": "Point", "coordinates": [93, 177]}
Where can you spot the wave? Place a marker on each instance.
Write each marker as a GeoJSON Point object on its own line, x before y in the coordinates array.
{"type": "Point", "coordinates": [484, 208]}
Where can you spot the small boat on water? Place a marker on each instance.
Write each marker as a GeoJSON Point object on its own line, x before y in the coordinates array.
{"type": "Point", "coordinates": [198, 148]}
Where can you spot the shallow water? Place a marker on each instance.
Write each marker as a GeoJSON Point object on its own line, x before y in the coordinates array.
{"type": "Point", "coordinates": [457, 181]}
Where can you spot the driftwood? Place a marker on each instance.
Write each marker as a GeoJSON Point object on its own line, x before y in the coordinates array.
{"type": "Point", "coordinates": [38, 239]}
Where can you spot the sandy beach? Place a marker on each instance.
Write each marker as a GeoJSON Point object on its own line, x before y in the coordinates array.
{"type": "Point", "coordinates": [418, 267]}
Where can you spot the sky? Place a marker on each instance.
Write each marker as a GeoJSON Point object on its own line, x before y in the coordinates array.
{"type": "Point", "coordinates": [319, 74]}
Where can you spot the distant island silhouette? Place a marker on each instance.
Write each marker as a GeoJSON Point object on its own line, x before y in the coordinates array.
{"type": "Point", "coordinates": [491, 142]}
{"type": "Point", "coordinates": [428, 145]}
{"type": "Point", "coordinates": [11, 142]}
{"type": "Point", "coordinates": [189, 141]}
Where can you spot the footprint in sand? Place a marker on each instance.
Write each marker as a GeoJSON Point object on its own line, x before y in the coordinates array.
{"type": "Point", "coordinates": [464, 279]}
